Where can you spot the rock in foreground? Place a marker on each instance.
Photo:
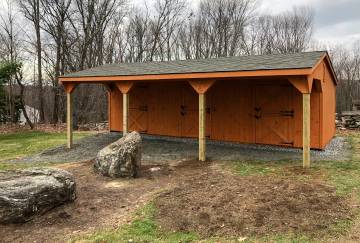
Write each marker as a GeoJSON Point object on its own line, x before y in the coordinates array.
{"type": "Point", "coordinates": [121, 158]}
{"type": "Point", "coordinates": [26, 193]}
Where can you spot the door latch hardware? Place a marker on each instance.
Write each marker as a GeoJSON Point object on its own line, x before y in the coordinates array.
{"type": "Point", "coordinates": [288, 143]}
{"type": "Point", "coordinates": [287, 113]}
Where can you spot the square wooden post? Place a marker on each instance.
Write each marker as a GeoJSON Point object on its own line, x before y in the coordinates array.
{"type": "Point", "coordinates": [304, 85]}
{"type": "Point", "coordinates": [69, 120]}
{"type": "Point", "coordinates": [125, 113]}
{"type": "Point", "coordinates": [306, 130]}
{"type": "Point", "coordinates": [201, 87]}
{"type": "Point", "coordinates": [69, 88]}
{"type": "Point", "coordinates": [124, 88]}
{"type": "Point", "coordinates": [202, 127]}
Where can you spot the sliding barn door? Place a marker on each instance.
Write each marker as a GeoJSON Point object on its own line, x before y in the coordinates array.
{"type": "Point", "coordinates": [138, 109]}
{"type": "Point", "coordinates": [274, 115]}
{"type": "Point", "coordinates": [189, 110]}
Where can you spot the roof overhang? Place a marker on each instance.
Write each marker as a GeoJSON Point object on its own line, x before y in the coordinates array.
{"type": "Point", "coordinates": [191, 76]}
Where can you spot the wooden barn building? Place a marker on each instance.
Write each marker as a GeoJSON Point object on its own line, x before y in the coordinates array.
{"type": "Point", "coordinates": [282, 99]}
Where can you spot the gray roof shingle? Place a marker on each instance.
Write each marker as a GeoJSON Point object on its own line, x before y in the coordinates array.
{"type": "Point", "coordinates": [223, 64]}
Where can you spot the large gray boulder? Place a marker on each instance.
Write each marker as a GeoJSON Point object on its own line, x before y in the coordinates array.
{"type": "Point", "coordinates": [26, 193]}
{"type": "Point", "coordinates": [121, 158]}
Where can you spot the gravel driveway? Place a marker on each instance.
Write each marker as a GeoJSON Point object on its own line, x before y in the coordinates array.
{"type": "Point", "coordinates": [165, 149]}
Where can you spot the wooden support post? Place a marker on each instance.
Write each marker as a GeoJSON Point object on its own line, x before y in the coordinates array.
{"type": "Point", "coordinates": [69, 87]}
{"type": "Point", "coordinates": [201, 87]}
{"type": "Point", "coordinates": [125, 113]}
{"type": "Point", "coordinates": [306, 130]}
{"type": "Point", "coordinates": [124, 88]}
{"type": "Point", "coordinates": [202, 127]}
{"type": "Point", "coordinates": [69, 120]}
{"type": "Point", "coordinates": [304, 85]}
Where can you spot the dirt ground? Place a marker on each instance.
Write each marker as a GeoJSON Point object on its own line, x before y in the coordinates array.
{"type": "Point", "coordinates": [101, 203]}
{"type": "Point", "coordinates": [190, 195]}
{"type": "Point", "coordinates": [220, 204]}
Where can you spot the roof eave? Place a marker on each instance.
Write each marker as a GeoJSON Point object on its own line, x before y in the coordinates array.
{"type": "Point", "coordinates": [189, 76]}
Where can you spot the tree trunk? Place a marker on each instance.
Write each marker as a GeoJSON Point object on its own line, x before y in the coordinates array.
{"type": "Point", "coordinates": [22, 105]}
{"type": "Point", "coordinates": [55, 117]}
{"type": "Point", "coordinates": [39, 66]}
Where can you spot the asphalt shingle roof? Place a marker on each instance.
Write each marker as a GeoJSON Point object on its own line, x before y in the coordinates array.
{"type": "Point", "coordinates": [224, 64]}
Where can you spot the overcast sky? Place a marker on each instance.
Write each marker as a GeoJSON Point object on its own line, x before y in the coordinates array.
{"type": "Point", "coordinates": [336, 21]}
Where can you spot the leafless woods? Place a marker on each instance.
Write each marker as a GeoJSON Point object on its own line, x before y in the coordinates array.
{"type": "Point", "coordinates": [54, 37]}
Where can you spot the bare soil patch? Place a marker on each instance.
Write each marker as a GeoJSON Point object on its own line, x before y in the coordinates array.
{"type": "Point", "coordinates": [101, 203]}
{"type": "Point", "coordinates": [219, 204]}
{"type": "Point", "coordinates": [190, 196]}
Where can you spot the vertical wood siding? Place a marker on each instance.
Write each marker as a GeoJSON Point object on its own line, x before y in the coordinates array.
{"type": "Point", "coordinates": [171, 109]}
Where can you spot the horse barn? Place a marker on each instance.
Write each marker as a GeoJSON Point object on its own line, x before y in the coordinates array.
{"type": "Point", "coordinates": [283, 99]}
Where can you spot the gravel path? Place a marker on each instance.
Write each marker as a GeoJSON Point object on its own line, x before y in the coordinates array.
{"type": "Point", "coordinates": [165, 149]}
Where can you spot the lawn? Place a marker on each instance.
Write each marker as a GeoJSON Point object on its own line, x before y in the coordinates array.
{"type": "Point", "coordinates": [20, 144]}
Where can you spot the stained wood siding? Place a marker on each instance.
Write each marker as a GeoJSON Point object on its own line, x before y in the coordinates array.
{"type": "Point", "coordinates": [171, 109]}
{"type": "Point", "coordinates": [231, 110]}
{"type": "Point", "coordinates": [115, 107]}
{"type": "Point", "coordinates": [328, 107]}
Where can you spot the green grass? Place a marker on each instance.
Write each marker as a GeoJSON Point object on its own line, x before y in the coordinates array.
{"type": "Point", "coordinates": [344, 175]}
{"type": "Point", "coordinates": [20, 144]}
{"type": "Point", "coordinates": [247, 168]}
{"type": "Point", "coordinates": [13, 166]}
{"type": "Point", "coordinates": [142, 229]}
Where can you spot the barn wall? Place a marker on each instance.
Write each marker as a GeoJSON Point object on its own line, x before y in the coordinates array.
{"type": "Point", "coordinates": [328, 107]}
{"type": "Point", "coordinates": [115, 110]}
{"type": "Point", "coordinates": [315, 119]}
{"type": "Point", "coordinates": [171, 108]}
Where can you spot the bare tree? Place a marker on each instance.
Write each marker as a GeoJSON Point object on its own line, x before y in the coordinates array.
{"type": "Point", "coordinates": [12, 50]}
{"type": "Point", "coordinates": [288, 32]}
{"type": "Point", "coordinates": [72, 35]}
{"type": "Point", "coordinates": [31, 11]}
{"type": "Point", "coordinates": [90, 29]}
{"type": "Point", "coordinates": [217, 29]}
{"type": "Point", "coordinates": [347, 66]}
{"type": "Point", "coordinates": [54, 20]}
{"type": "Point", "coordinates": [9, 40]}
